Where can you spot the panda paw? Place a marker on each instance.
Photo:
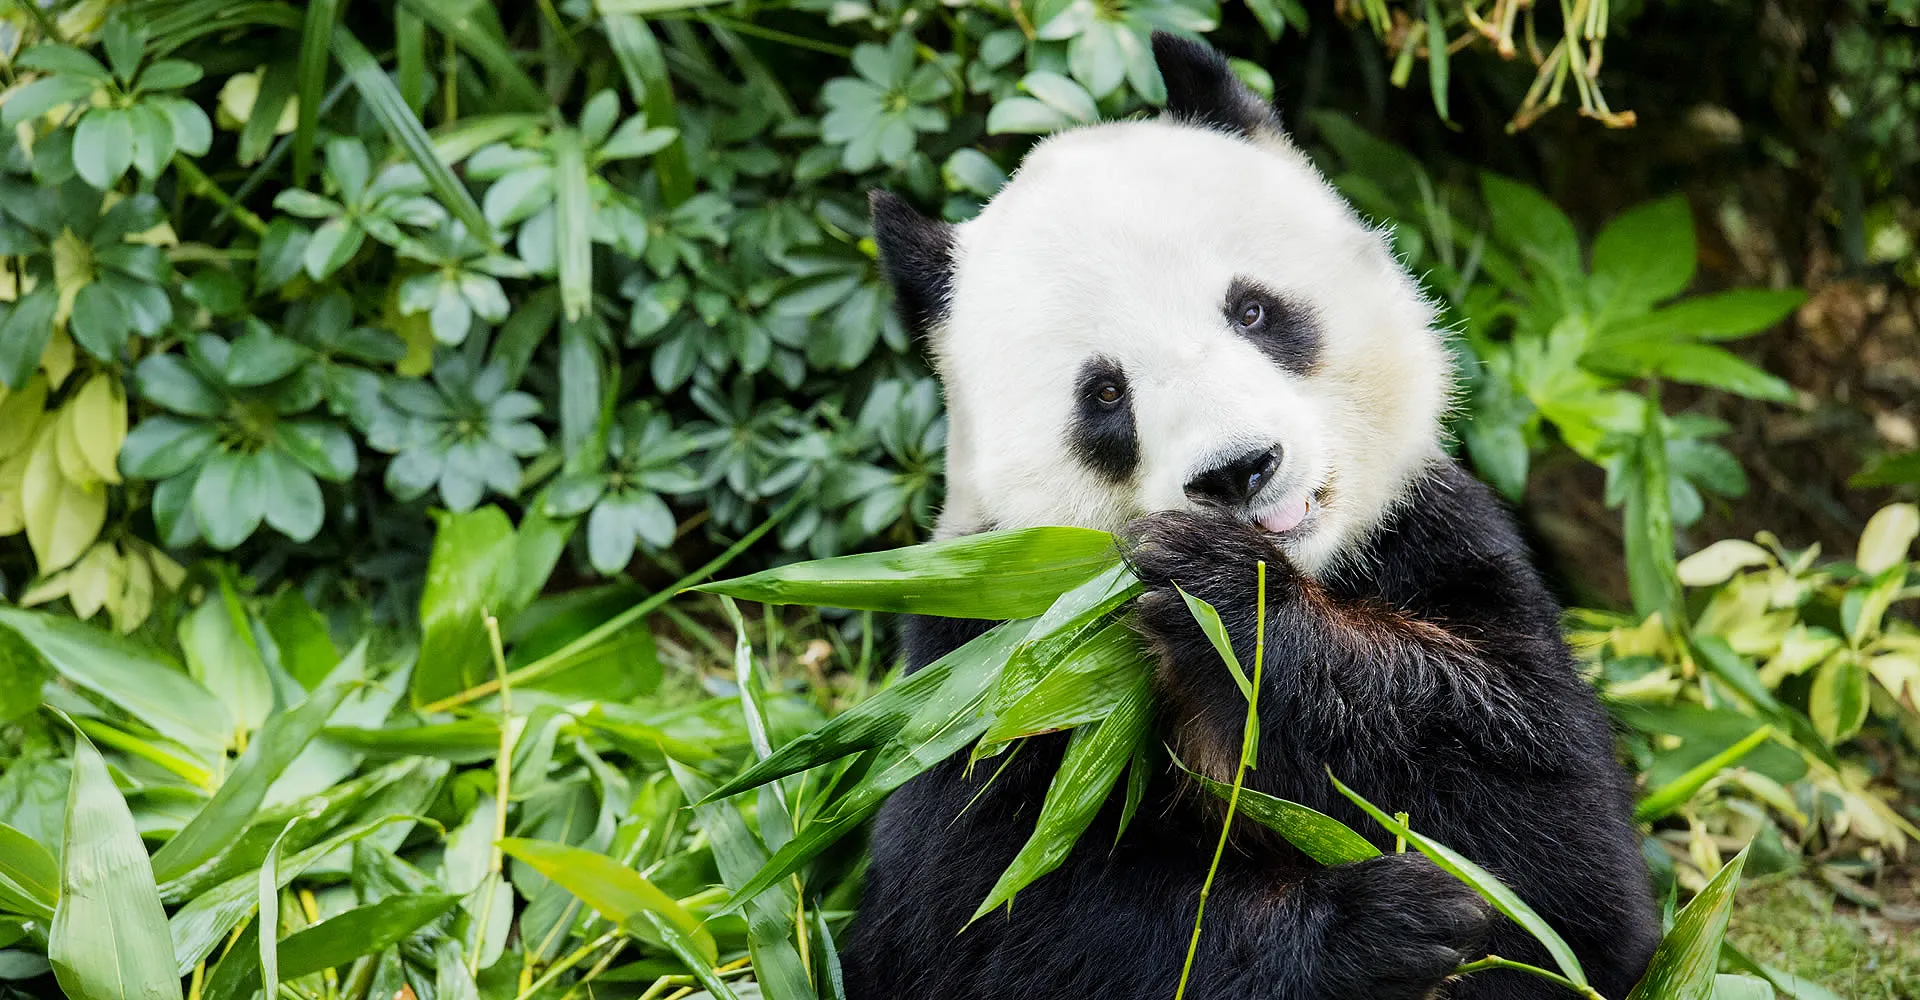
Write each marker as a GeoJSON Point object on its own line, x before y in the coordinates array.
{"type": "Point", "coordinates": [1210, 555]}
{"type": "Point", "coordinates": [1400, 926]}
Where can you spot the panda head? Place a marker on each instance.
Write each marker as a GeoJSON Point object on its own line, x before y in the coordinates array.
{"type": "Point", "coordinates": [1173, 313]}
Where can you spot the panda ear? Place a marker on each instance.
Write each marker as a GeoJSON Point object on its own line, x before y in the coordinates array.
{"type": "Point", "coordinates": [917, 255]}
{"type": "Point", "coordinates": [1202, 89]}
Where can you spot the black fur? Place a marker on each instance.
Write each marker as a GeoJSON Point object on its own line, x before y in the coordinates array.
{"type": "Point", "coordinates": [1202, 89]}
{"type": "Point", "coordinates": [1287, 332]}
{"type": "Point", "coordinates": [1102, 434]}
{"type": "Point", "coordinates": [917, 255]}
{"type": "Point", "coordinates": [1430, 676]}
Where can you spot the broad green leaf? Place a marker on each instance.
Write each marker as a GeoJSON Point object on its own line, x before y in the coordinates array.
{"type": "Point", "coordinates": [103, 146]}
{"type": "Point", "coordinates": [337, 941]}
{"type": "Point", "coordinates": [1025, 116]}
{"type": "Point", "coordinates": [217, 638]}
{"type": "Point", "coordinates": [613, 890]}
{"type": "Point", "coordinates": [109, 935]}
{"type": "Point", "coordinates": [29, 875]}
{"type": "Point", "coordinates": [875, 721]}
{"type": "Point", "coordinates": [1683, 966]}
{"type": "Point", "coordinates": [1840, 697]}
{"type": "Point", "coordinates": [1481, 881]}
{"type": "Point", "coordinates": [1646, 254]}
{"type": "Point", "coordinates": [232, 808]}
{"type": "Point", "coordinates": [1737, 987]}
{"type": "Point", "coordinates": [1888, 536]}
{"type": "Point", "coordinates": [1086, 684]}
{"type": "Point", "coordinates": [468, 576]}
{"type": "Point", "coordinates": [1530, 225]}
{"type": "Point", "coordinates": [138, 680]}
{"type": "Point", "coordinates": [1693, 364]}
{"type": "Point", "coordinates": [1095, 757]}
{"type": "Point", "coordinates": [1723, 316]}
{"type": "Point", "coordinates": [383, 100]}
{"type": "Point", "coordinates": [23, 672]}
{"type": "Point", "coordinates": [1651, 577]}
{"type": "Point", "coordinates": [1003, 574]}
{"type": "Point", "coordinates": [1317, 835]}
{"type": "Point", "coordinates": [1061, 94]}
{"type": "Point", "coordinates": [1679, 791]}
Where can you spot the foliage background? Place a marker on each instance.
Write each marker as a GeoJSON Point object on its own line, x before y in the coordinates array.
{"type": "Point", "coordinates": [296, 295]}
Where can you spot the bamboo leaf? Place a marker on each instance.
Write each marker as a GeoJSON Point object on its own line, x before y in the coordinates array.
{"type": "Point", "coordinates": [881, 718]}
{"type": "Point", "coordinates": [267, 916]}
{"type": "Point", "coordinates": [614, 891]}
{"type": "Point", "coordinates": [383, 99]}
{"type": "Point", "coordinates": [1095, 757]}
{"type": "Point", "coordinates": [1683, 966]}
{"type": "Point", "coordinates": [232, 808]}
{"type": "Point", "coordinates": [573, 225]}
{"type": "Point", "coordinates": [311, 73]}
{"type": "Point", "coordinates": [1317, 835]}
{"type": "Point", "coordinates": [1679, 791]}
{"type": "Point", "coordinates": [109, 936]}
{"type": "Point", "coordinates": [1492, 889]}
{"type": "Point", "coordinates": [29, 875]}
{"type": "Point", "coordinates": [1087, 684]}
{"type": "Point", "coordinates": [645, 68]}
{"type": "Point", "coordinates": [1001, 574]}
{"type": "Point", "coordinates": [457, 21]}
{"type": "Point", "coordinates": [138, 680]}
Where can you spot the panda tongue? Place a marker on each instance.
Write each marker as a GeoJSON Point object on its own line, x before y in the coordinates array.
{"type": "Point", "coordinates": [1286, 517]}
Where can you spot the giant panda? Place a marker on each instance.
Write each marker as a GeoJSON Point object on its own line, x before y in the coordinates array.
{"type": "Point", "coordinates": [1175, 330]}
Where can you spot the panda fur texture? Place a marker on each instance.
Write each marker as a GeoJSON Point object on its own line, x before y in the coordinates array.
{"type": "Point", "coordinates": [1175, 330]}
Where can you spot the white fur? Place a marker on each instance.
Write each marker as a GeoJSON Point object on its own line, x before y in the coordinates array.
{"type": "Point", "coordinates": [1120, 240]}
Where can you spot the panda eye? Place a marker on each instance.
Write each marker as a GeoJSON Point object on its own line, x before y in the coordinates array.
{"type": "Point", "coordinates": [1251, 313]}
{"type": "Point", "coordinates": [1108, 393]}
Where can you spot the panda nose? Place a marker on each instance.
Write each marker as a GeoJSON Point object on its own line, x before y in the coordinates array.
{"type": "Point", "coordinates": [1237, 481]}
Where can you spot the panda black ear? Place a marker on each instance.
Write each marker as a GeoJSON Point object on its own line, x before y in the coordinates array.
{"type": "Point", "coordinates": [917, 255]}
{"type": "Point", "coordinates": [1202, 89]}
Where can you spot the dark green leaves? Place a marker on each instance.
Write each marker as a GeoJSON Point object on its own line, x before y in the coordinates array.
{"type": "Point", "coordinates": [1683, 966]}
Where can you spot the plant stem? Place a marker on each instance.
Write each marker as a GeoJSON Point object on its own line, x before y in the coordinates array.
{"type": "Point", "coordinates": [1249, 746]}
{"type": "Point", "coordinates": [202, 185]}
{"type": "Point", "coordinates": [565, 656]}
{"type": "Point", "coordinates": [1496, 962]}
{"type": "Point", "coordinates": [502, 785]}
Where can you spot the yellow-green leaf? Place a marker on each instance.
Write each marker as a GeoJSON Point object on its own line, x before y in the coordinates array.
{"type": "Point", "coordinates": [62, 517]}
{"type": "Point", "coordinates": [1887, 537]}
{"type": "Point", "coordinates": [1838, 701]}
{"type": "Point", "coordinates": [1717, 563]}
{"type": "Point", "coordinates": [99, 417]}
{"type": "Point", "coordinates": [614, 891]}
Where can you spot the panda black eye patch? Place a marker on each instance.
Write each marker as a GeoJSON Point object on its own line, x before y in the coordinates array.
{"type": "Point", "coordinates": [1102, 433]}
{"type": "Point", "coordinates": [1283, 329]}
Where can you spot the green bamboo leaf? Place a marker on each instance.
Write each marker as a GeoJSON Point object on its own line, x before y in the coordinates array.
{"type": "Point", "coordinates": [457, 21]}
{"type": "Point", "coordinates": [232, 808]}
{"type": "Point", "coordinates": [267, 915]}
{"type": "Point", "coordinates": [881, 718]}
{"type": "Point", "coordinates": [1071, 620]}
{"type": "Point", "coordinates": [1000, 574]}
{"type": "Point", "coordinates": [614, 891]}
{"type": "Point", "coordinates": [1088, 683]}
{"type": "Point", "coordinates": [1679, 791]}
{"type": "Point", "coordinates": [217, 639]}
{"type": "Point", "coordinates": [333, 943]}
{"type": "Point", "coordinates": [29, 875]}
{"type": "Point", "coordinates": [1683, 966]}
{"type": "Point", "coordinates": [209, 917]}
{"type": "Point", "coordinates": [1737, 987]}
{"type": "Point", "coordinates": [645, 68]}
{"type": "Point", "coordinates": [109, 936]}
{"type": "Point", "coordinates": [1438, 62]}
{"type": "Point", "coordinates": [383, 99]}
{"type": "Point", "coordinates": [1317, 835]}
{"type": "Point", "coordinates": [573, 223]}
{"type": "Point", "coordinates": [316, 33]}
{"type": "Point", "coordinates": [1095, 757]}
{"type": "Point", "coordinates": [138, 680]}
{"type": "Point", "coordinates": [690, 952]}
{"type": "Point", "coordinates": [738, 853]}
{"type": "Point", "coordinates": [1652, 576]}
{"type": "Point", "coordinates": [1216, 632]}
{"type": "Point", "coordinates": [1481, 881]}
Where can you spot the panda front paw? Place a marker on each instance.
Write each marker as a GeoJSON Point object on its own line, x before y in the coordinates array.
{"type": "Point", "coordinates": [1210, 555]}
{"type": "Point", "coordinates": [1398, 927]}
